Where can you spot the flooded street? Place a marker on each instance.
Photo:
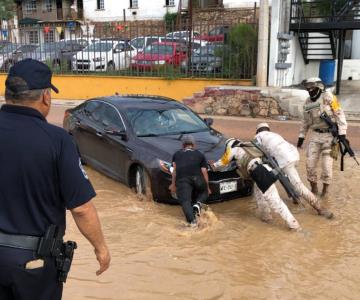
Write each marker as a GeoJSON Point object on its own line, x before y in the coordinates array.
{"type": "Point", "coordinates": [233, 256]}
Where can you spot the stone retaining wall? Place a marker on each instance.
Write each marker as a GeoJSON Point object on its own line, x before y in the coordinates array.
{"type": "Point", "coordinates": [235, 102]}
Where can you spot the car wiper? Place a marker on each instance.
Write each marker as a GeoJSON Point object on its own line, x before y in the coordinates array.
{"type": "Point", "coordinates": [147, 135]}
{"type": "Point", "coordinates": [189, 132]}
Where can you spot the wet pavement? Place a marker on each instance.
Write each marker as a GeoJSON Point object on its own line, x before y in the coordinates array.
{"type": "Point", "coordinates": [233, 255]}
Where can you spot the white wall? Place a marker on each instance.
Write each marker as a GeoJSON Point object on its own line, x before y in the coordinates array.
{"type": "Point", "coordinates": [147, 9]}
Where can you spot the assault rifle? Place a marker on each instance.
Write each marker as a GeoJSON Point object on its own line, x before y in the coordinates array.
{"type": "Point", "coordinates": [284, 180]}
{"type": "Point", "coordinates": [344, 143]}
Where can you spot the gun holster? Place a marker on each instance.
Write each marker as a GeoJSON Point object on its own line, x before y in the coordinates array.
{"type": "Point", "coordinates": [52, 245]}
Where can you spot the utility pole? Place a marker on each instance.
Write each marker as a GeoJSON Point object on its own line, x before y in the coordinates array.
{"type": "Point", "coordinates": [263, 44]}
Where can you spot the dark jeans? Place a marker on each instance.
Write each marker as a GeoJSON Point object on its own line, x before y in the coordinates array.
{"type": "Point", "coordinates": [18, 283]}
{"type": "Point", "coordinates": [188, 187]}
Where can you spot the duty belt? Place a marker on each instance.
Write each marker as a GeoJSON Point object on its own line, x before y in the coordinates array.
{"type": "Point", "coordinates": [323, 130]}
{"type": "Point", "coordinates": [25, 242]}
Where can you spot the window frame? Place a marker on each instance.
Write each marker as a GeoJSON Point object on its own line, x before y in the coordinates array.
{"type": "Point", "coordinates": [31, 34]}
{"type": "Point", "coordinates": [169, 3]}
{"type": "Point", "coordinates": [100, 4]}
{"type": "Point", "coordinates": [133, 4]}
{"type": "Point", "coordinates": [30, 7]}
{"type": "Point", "coordinates": [48, 5]}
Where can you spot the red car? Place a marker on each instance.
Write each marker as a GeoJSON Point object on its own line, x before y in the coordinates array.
{"type": "Point", "coordinates": [215, 35]}
{"type": "Point", "coordinates": [159, 53]}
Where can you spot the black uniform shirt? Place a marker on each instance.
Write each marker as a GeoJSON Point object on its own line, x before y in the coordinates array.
{"type": "Point", "coordinates": [40, 173]}
{"type": "Point", "coordinates": [189, 163]}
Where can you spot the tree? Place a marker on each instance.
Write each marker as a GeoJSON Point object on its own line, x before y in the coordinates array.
{"type": "Point", "coordinates": [7, 9]}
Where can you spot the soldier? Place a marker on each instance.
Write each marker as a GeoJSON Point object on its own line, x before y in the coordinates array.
{"type": "Point", "coordinates": [249, 165]}
{"type": "Point", "coordinates": [287, 157]}
{"type": "Point", "coordinates": [320, 144]}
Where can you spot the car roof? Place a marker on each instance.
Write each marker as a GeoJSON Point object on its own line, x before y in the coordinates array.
{"type": "Point", "coordinates": [139, 101]}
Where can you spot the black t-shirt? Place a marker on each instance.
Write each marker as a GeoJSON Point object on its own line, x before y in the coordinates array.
{"type": "Point", "coordinates": [40, 173]}
{"type": "Point", "coordinates": [189, 163]}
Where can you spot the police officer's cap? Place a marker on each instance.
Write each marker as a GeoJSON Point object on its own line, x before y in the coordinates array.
{"type": "Point", "coordinates": [36, 76]}
{"type": "Point", "coordinates": [188, 140]}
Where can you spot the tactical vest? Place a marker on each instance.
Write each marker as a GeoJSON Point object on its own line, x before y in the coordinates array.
{"type": "Point", "coordinates": [251, 152]}
{"type": "Point", "coordinates": [312, 112]}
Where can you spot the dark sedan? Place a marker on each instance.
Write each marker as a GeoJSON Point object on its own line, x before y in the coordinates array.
{"type": "Point", "coordinates": [132, 139]}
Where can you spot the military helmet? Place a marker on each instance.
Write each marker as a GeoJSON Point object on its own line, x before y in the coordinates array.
{"type": "Point", "coordinates": [232, 142]}
{"type": "Point", "coordinates": [262, 125]}
{"type": "Point", "coordinates": [314, 82]}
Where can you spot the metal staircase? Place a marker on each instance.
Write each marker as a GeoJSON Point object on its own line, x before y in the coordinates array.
{"type": "Point", "coordinates": [321, 27]}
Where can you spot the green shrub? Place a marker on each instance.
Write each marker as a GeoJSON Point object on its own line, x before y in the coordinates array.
{"type": "Point", "coordinates": [170, 21]}
{"type": "Point", "coordinates": [239, 52]}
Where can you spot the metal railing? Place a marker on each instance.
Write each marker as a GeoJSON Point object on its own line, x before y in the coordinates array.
{"type": "Point", "coordinates": [320, 11]}
{"type": "Point", "coordinates": [205, 49]}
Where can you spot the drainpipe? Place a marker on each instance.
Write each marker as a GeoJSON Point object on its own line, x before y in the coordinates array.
{"type": "Point", "coordinates": [263, 44]}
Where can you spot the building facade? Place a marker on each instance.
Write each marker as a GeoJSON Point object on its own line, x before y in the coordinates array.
{"type": "Point", "coordinates": [43, 21]}
{"type": "Point", "coordinates": [134, 10]}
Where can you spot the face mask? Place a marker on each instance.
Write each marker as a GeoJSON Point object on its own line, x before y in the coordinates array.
{"type": "Point", "coordinates": [314, 93]}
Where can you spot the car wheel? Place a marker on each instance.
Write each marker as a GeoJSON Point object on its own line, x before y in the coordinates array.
{"type": "Point", "coordinates": [142, 183]}
{"type": "Point", "coordinates": [111, 67]}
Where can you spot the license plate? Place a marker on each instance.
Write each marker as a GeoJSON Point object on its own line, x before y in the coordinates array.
{"type": "Point", "coordinates": [227, 187]}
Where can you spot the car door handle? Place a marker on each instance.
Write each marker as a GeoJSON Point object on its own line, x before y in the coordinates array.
{"type": "Point", "coordinates": [99, 134]}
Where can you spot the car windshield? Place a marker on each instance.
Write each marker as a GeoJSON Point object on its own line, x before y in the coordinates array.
{"type": "Point", "coordinates": [157, 122]}
{"type": "Point", "coordinates": [9, 48]}
{"type": "Point", "coordinates": [99, 47]}
{"type": "Point", "coordinates": [205, 51]}
{"type": "Point", "coordinates": [159, 49]}
{"type": "Point", "coordinates": [49, 47]}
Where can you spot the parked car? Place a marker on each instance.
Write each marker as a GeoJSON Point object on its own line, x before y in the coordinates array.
{"type": "Point", "coordinates": [58, 54]}
{"type": "Point", "coordinates": [217, 34]}
{"type": "Point", "coordinates": [105, 55]}
{"type": "Point", "coordinates": [184, 35]}
{"type": "Point", "coordinates": [141, 42]}
{"type": "Point", "coordinates": [158, 54]}
{"type": "Point", "coordinates": [132, 139]}
{"type": "Point", "coordinates": [13, 53]}
{"type": "Point", "coordinates": [204, 60]}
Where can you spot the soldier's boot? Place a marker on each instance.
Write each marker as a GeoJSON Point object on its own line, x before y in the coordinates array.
{"type": "Point", "coordinates": [314, 187]}
{"type": "Point", "coordinates": [325, 190]}
{"type": "Point", "coordinates": [325, 213]}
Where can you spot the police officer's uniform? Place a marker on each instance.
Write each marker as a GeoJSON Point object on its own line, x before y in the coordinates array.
{"type": "Point", "coordinates": [40, 177]}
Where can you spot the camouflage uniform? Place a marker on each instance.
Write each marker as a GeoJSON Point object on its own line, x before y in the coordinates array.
{"type": "Point", "coordinates": [321, 139]}
{"type": "Point", "coordinates": [287, 156]}
{"type": "Point", "coordinates": [265, 201]}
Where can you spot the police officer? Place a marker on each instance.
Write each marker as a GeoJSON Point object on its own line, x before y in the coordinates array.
{"type": "Point", "coordinates": [40, 177]}
{"type": "Point", "coordinates": [190, 177]}
{"type": "Point", "coordinates": [287, 157]}
{"type": "Point", "coordinates": [320, 145]}
{"type": "Point", "coordinates": [248, 161]}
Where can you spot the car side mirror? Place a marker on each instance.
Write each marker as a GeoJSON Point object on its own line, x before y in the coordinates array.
{"type": "Point", "coordinates": [116, 132]}
{"type": "Point", "coordinates": [209, 121]}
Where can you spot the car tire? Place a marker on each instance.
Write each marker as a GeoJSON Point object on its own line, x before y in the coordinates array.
{"type": "Point", "coordinates": [142, 183]}
{"type": "Point", "coordinates": [111, 67]}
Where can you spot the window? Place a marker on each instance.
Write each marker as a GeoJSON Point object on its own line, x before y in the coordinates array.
{"type": "Point", "coordinates": [100, 4]}
{"type": "Point", "coordinates": [49, 37]}
{"type": "Point", "coordinates": [48, 5]}
{"type": "Point", "coordinates": [111, 119]}
{"type": "Point", "coordinates": [30, 6]}
{"type": "Point", "coordinates": [33, 37]}
{"type": "Point", "coordinates": [169, 2]}
{"type": "Point", "coordinates": [133, 3]}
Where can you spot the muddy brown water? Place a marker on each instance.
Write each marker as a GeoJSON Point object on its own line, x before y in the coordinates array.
{"type": "Point", "coordinates": [232, 256]}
